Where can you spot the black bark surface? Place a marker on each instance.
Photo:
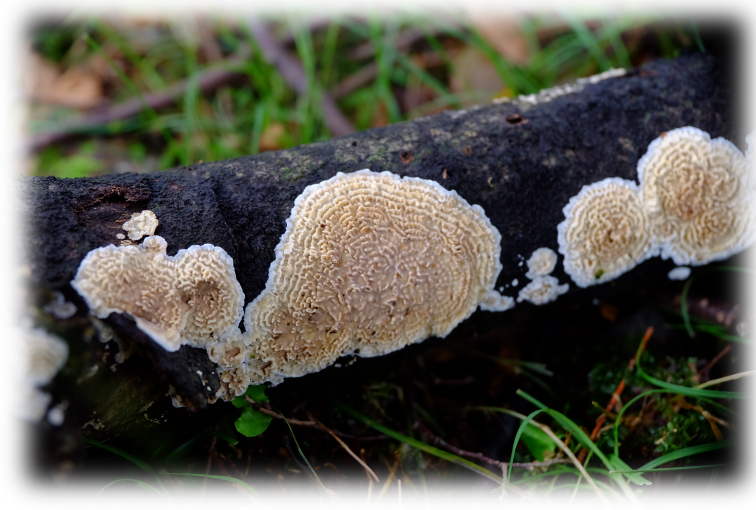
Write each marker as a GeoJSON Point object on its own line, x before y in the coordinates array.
{"type": "Point", "coordinates": [520, 162]}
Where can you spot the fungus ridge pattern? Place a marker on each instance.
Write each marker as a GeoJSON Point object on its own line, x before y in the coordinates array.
{"type": "Point", "coordinates": [698, 194]}
{"type": "Point", "coordinates": [369, 263]}
{"type": "Point", "coordinates": [605, 232]}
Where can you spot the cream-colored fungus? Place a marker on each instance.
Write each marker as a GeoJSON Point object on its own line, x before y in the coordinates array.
{"type": "Point", "coordinates": [191, 298]}
{"type": "Point", "coordinates": [369, 263]}
{"type": "Point", "coordinates": [542, 290]}
{"type": "Point", "coordinates": [605, 232]}
{"type": "Point", "coordinates": [699, 196]}
{"type": "Point", "coordinates": [141, 224]}
{"type": "Point", "coordinates": [541, 262]}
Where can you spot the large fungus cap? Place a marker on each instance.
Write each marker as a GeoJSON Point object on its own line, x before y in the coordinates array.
{"type": "Point", "coordinates": [698, 195]}
{"type": "Point", "coordinates": [604, 233]}
{"type": "Point", "coordinates": [369, 263]}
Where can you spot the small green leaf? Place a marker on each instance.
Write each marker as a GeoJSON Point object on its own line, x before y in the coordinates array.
{"type": "Point", "coordinates": [537, 442]}
{"type": "Point", "coordinates": [252, 423]}
{"type": "Point", "coordinates": [256, 393]}
{"type": "Point", "coordinates": [622, 467]}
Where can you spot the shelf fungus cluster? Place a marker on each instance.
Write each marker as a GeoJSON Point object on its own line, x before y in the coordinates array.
{"type": "Point", "coordinates": [543, 288]}
{"type": "Point", "coordinates": [369, 263]}
{"type": "Point", "coordinates": [694, 205]}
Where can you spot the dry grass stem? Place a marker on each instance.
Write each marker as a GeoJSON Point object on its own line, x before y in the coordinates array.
{"type": "Point", "coordinates": [721, 380]}
{"type": "Point", "coordinates": [387, 483]}
{"type": "Point", "coordinates": [343, 445]}
{"type": "Point", "coordinates": [574, 460]}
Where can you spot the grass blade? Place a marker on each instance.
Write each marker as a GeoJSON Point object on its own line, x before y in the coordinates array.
{"type": "Point", "coordinates": [418, 444]}
{"type": "Point", "coordinates": [303, 455]}
{"type": "Point", "coordinates": [685, 468]}
{"type": "Point", "coordinates": [686, 452]}
{"type": "Point", "coordinates": [136, 460]}
{"type": "Point", "coordinates": [520, 430]}
{"type": "Point", "coordinates": [139, 482]}
{"type": "Point", "coordinates": [231, 479]}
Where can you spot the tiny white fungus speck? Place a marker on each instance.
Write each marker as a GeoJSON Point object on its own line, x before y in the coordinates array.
{"type": "Point", "coordinates": [679, 273]}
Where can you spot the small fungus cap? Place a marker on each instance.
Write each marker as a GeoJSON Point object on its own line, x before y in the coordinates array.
{"type": "Point", "coordinates": [698, 195]}
{"type": "Point", "coordinates": [45, 355]}
{"type": "Point", "coordinates": [542, 290]}
{"type": "Point", "coordinates": [369, 263]}
{"type": "Point", "coordinates": [141, 224]}
{"type": "Point", "coordinates": [541, 262]}
{"type": "Point", "coordinates": [604, 233]}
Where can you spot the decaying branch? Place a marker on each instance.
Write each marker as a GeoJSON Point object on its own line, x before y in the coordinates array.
{"type": "Point", "coordinates": [521, 161]}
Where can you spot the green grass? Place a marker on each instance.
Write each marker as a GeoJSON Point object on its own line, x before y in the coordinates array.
{"type": "Point", "coordinates": [234, 120]}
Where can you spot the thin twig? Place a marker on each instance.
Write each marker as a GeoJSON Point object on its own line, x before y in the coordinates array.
{"type": "Point", "coordinates": [322, 490]}
{"type": "Point", "coordinates": [388, 479]}
{"type": "Point", "coordinates": [207, 466]}
{"type": "Point", "coordinates": [294, 74]}
{"type": "Point", "coordinates": [527, 465]}
{"type": "Point", "coordinates": [370, 480]}
{"type": "Point", "coordinates": [244, 493]}
{"type": "Point", "coordinates": [311, 423]}
{"type": "Point", "coordinates": [705, 370]}
{"type": "Point", "coordinates": [343, 445]}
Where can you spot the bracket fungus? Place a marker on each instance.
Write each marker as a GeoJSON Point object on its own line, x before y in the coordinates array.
{"type": "Point", "coordinates": [698, 195]}
{"type": "Point", "coordinates": [191, 298]}
{"type": "Point", "coordinates": [369, 263]}
{"type": "Point", "coordinates": [604, 233]}
{"type": "Point", "coordinates": [141, 224]}
{"type": "Point", "coordinates": [44, 354]}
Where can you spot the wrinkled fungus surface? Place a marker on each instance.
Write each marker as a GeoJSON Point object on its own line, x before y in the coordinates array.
{"type": "Point", "coordinates": [605, 232]}
{"type": "Point", "coordinates": [140, 225]}
{"type": "Point", "coordinates": [542, 290]}
{"type": "Point", "coordinates": [369, 263]}
{"type": "Point", "coordinates": [698, 195]}
{"type": "Point", "coordinates": [191, 298]}
{"type": "Point", "coordinates": [541, 262]}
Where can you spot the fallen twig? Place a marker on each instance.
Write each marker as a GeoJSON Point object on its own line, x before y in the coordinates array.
{"type": "Point", "coordinates": [244, 493]}
{"type": "Point", "coordinates": [343, 445]}
{"type": "Point", "coordinates": [323, 491]}
{"type": "Point", "coordinates": [293, 73]}
{"type": "Point", "coordinates": [390, 477]}
{"type": "Point", "coordinates": [311, 423]}
{"type": "Point", "coordinates": [504, 465]}
{"type": "Point", "coordinates": [209, 463]}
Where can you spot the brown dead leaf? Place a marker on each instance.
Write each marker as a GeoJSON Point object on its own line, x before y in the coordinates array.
{"type": "Point", "coordinates": [608, 312]}
{"type": "Point", "coordinates": [269, 139]}
{"type": "Point", "coordinates": [76, 87]}
{"type": "Point", "coordinates": [503, 32]}
{"type": "Point", "coordinates": [473, 71]}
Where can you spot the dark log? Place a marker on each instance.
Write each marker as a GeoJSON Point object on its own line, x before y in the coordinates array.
{"type": "Point", "coordinates": [520, 162]}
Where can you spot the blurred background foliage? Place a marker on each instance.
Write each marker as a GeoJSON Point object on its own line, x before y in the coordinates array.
{"type": "Point", "coordinates": [118, 94]}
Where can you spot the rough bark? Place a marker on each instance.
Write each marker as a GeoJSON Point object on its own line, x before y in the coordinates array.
{"type": "Point", "coordinates": [520, 162]}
